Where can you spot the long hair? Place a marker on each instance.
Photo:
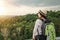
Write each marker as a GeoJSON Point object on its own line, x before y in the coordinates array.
{"type": "Point", "coordinates": [47, 20]}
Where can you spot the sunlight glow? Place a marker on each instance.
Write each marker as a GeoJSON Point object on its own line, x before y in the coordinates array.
{"type": "Point", "coordinates": [2, 8]}
{"type": "Point", "coordinates": [9, 8]}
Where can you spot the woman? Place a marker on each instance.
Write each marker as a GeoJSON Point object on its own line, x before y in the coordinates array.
{"type": "Point", "coordinates": [38, 32]}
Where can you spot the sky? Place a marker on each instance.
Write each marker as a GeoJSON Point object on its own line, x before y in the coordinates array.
{"type": "Point", "coordinates": [23, 7]}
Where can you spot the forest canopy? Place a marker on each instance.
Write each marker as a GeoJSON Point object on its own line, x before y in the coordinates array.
{"type": "Point", "coordinates": [22, 26]}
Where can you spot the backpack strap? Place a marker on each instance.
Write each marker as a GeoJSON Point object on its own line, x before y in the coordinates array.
{"type": "Point", "coordinates": [43, 28]}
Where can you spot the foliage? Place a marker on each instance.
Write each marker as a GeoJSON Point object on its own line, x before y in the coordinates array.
{"type": "Point", "coordinates": [21, 27]}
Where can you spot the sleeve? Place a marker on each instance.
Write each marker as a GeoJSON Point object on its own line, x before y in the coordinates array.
{"type": "Point", "coordinates": [37, 23]}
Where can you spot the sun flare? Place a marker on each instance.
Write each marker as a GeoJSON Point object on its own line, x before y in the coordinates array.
{"type": "Point", "coordinates": [2, 7]}
{"type": "Point", "coordinates": [2, 10]}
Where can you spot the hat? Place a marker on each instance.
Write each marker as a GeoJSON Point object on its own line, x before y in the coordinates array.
{"type": "Point", "coordinates": [43, 12]}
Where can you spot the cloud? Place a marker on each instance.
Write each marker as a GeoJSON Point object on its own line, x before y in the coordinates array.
{"type": "Point", "coordinates": [23, 7]}
{"type": "Point", "coordinates": [52, 2]}
{"type": "Point", "coordinates": [36, 2]}
{"type": "Point", "coordinates": [23, 10]}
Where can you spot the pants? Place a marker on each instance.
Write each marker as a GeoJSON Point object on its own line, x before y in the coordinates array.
{"type": "Point", "coordinates": [41, 37]}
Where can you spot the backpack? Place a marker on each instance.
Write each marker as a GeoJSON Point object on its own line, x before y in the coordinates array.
{"type": "Point", "coordinates": [50, 31]}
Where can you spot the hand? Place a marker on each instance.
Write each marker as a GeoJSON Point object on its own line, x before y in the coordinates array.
{"type": "Point", "coordinates": [33, 39]}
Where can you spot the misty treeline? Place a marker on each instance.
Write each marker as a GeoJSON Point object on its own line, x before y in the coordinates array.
{"type": "Point", "coordinates": [21, 27]}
